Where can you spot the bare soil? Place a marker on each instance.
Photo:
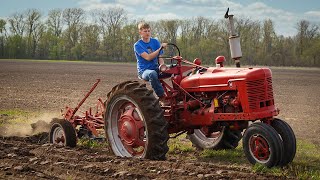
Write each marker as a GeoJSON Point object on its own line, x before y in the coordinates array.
{"type": "Point", "coordinates": [46, 87]}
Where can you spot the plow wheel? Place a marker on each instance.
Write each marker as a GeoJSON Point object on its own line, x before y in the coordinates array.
{"type": "Point", "coordinates": [288, 138]}
{"type": "Point", "coordinates": [134, 121]}
{"type": "Point", "coordinates": [262, 144]}
{"type": "Point", "coordinates": [62, 133]}
{"type": "Point", "coordinates": [223, 139]}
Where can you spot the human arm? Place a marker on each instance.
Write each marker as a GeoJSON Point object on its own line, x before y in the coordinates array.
{"type": "Point", "coordinates": [154, 54]}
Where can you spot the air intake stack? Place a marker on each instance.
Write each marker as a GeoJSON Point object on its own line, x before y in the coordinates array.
{"type": "Point", "coordinates": [234, 41]}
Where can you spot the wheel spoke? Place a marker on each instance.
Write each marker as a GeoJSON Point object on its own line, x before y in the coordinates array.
{"type": "Point", "coordinates": [139, 125]}
{"type": "Point", "coordinates": [255, 146]}
{"type": "Point", "coordinates": [140, 142]}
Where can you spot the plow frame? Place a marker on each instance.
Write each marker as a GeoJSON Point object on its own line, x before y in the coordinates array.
{"type": "Point", "coordinates": [89, 119]}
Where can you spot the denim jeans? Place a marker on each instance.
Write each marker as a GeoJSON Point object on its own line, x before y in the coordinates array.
{"type": "Point", "coordinates": [152, 77]}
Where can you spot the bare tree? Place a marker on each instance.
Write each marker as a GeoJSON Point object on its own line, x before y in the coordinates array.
{"type": "Point", "coordinates": [17, 27]}
{"type": "Point", "coordinates": [306, 32]}
{"type": "Point", "coordinates": [2, 26]}
{"type": "Point", "coordinates": [55, 22]}
{"type": "Point", "coordinates": [169, 30]}
{"type": "Point", "coordinates": [111, 22]}
{"type": "Point", "coordinates": [17, 24]}
{"type": "Point", "coordinates": [34, 28]}
{"type": "Point", "coordinates": [250, 36]}
{"type": "Point", "coordinates": [199, 27]}
{"type": "Point", "coordinates": [74, 19]}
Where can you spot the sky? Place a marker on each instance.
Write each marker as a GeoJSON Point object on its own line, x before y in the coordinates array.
{"type": "Point", "coordinates": [285, 14]}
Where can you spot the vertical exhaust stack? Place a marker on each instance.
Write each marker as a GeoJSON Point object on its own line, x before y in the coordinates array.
{"type": "Point", "coordinates": [234, 41]}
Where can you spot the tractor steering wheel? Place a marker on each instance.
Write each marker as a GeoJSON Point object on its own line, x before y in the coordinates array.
{"type": "Point", "coordinates": [171, 51]}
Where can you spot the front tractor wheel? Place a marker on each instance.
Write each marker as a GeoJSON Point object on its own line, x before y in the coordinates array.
{"type": "Point", "coordinates": [262, 144]}
{"type": "Point", "coordinates": [134, 121]}
{"type": "Point", "coordinates": [288, 138]}
{"type": "Point", "coordinates": [223, 139]}
{"type": "Point", "coordinates": [62, 133]}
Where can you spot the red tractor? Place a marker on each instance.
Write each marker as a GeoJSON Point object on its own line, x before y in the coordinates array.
{"type": "Point", "coordinates": [215, 106]}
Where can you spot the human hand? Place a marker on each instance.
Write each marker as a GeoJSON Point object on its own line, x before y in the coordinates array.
{"type": "Point", "coordinates": [163, 45]}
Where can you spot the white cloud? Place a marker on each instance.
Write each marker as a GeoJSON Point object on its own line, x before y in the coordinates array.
{"type": "Point", "coordinates": [312, 16]}
{"type": "Point", "coordinates": [284, 22]}
{"type": "Point", "coordinates": [132, 2]}
{"type": "Point", "coordinates": [156, 17]}
{"type": "Point", "coordinates": [152, 10]}
{"type": "Point", "coordinates": [142, 2]}
{"type": "Point", "coordinates": [232, 5]}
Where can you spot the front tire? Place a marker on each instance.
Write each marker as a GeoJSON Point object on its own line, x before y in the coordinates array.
{"type": "Point", "coordinates": [288, 139]}
{"type": "Point", "coordinates": [134, 121]}
{"type": "Point", "coordinates": [262, 144]}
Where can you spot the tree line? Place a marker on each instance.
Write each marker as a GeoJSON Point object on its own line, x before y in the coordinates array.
{"type": "Point", "coordinates": [109, 35]}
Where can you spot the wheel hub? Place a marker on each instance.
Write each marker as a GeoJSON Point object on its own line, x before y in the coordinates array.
{"type": "Point", "coordinates": [130, 128]}
{"type": "Point", "coordinates": [127, 130]}
{"type": "Point", "coordinates": [259, 148]}
{"type": "Point", "coordinates": [58, 136]}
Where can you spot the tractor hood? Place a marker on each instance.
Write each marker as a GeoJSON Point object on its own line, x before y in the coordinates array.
{"type": "Point", "coordinates": [219, 78]}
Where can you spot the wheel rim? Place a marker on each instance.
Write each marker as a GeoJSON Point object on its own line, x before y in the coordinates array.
{"type": "Point", "coordinates": [210, 138]}
{"type": "Point", "coordinates": [211, 135]}
{"type": "Point", "coordinates": [127, 130]}
{"type": "Point", "coordinates": [259, 148]}
{"type": "Point", "coordinates": [58, 136]}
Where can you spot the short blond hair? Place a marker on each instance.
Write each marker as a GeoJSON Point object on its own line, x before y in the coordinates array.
{"type": "Point", "coordinates": [143, 25]}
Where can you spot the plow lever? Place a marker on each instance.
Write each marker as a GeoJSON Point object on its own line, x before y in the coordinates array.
{"type": "Point", "coordinates": [84, 99]}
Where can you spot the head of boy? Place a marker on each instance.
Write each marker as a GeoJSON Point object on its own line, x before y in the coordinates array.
{"type": "Point", "coordinates": [144, 30]}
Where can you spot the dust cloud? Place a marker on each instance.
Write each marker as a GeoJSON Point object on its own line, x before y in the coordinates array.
{"type": "Point", "coordinates": [26, 126]}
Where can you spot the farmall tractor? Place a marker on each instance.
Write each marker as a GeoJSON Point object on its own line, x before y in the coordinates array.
{"type": "Point", "coordinates": [215, 106]}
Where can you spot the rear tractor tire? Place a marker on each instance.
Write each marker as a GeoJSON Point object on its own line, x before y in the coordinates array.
{"type": "Point", "coordinates": [262, 144]}
{"type": "Point", "coordinates": [135, 123]}
{"type": "Point", "coordinates": [224, 139]}
{"type": "Point", "coordinates": [62, 133]}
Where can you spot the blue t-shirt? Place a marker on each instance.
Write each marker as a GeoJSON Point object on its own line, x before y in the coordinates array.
{"type": "Point", "coordinates": [151, 46]}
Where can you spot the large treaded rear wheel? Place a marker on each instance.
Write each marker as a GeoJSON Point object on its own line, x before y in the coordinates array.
{"type": "Point", "coordinates": [134, 121]}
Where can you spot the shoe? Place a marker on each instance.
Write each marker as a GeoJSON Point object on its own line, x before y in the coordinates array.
{"type": "Point", "coordinates": [163, 101]}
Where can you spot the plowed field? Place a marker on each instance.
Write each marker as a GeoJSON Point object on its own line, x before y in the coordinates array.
{"type": "Point", "coordinates": [46, 87]}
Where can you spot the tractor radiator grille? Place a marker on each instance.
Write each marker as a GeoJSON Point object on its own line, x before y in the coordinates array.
{"type": "Point", "coordinates": [260, 93]}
